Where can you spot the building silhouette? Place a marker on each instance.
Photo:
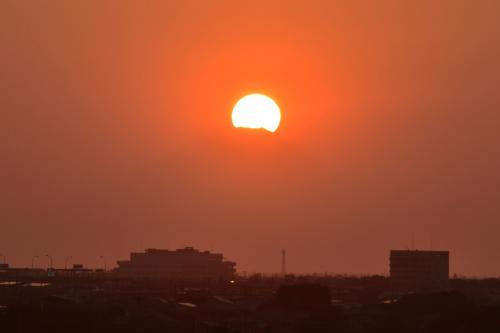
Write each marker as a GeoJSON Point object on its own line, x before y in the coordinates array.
{"type": "Point", "coordinates": [186, 263]}
{"type": "Point", "coordinates": [414, 270]}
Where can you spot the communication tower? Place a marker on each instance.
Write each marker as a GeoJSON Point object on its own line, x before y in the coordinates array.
{"type": "Point", "coordinates": [283, 262]}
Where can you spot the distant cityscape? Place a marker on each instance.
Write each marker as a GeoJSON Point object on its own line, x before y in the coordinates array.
{"type": "Point", "coordinates": [409, 269]}
{"type": "Point", "coordinates": [190, 290]}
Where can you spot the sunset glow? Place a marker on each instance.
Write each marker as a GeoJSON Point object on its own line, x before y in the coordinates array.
{"type": "Point", "coordinates": [337, 130]}
{"type": "Point", "coordinates": [257, 111]}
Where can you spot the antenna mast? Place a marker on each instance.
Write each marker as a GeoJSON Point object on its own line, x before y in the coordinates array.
{"type": "Point", "coordinates": [283, 262]}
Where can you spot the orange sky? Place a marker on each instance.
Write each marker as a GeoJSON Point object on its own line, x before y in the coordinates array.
{"type": "Point", "coordinates": [116, 131]}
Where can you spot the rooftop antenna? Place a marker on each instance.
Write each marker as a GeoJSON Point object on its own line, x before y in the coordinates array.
{"type": "Point", "coordinates": [283, 262]}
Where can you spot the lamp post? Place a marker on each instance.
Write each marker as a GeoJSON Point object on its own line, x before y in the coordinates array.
{"type": "Point", "coordinates": [33, 261]}
{"type": "Point", "coordinates": [104, 260]}
{"type": "Point", "coordinates": [50, 258]}
{"type": "Point", "coordinates": [66, 262]}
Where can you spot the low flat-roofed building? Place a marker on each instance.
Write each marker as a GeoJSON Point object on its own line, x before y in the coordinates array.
{"type": "Point", "coordinates": [76, 270]}
{"type": "Point", "coordinates": [415, 270]}
{"type": "Point", "coordinates": [15, 273]}
{"type": "Point", "coordinates": [186, 263]}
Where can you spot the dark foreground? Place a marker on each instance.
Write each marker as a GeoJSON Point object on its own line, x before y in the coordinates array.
{"type": "Point", "coordinates": [308, 304]}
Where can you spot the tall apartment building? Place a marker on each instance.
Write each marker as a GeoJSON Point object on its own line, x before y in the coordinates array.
{"type": "Point", "coordinates": [415, 270]}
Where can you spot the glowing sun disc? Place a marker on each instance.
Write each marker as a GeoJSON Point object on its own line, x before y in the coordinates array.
{"type": "Point", "coordinates": [256, 111]}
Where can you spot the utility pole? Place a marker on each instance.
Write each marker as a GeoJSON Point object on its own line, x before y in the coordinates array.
{"type": "Point", "coordinates": [104, 260]}
{"type": "Point", "coordinates": [66, 262]}
{"type": "Point", "coordinates": [33, 261]}
{"type": "Point", "coordinates": [283, 262]}
{"type": "Point", "coordinates": [50, 260]}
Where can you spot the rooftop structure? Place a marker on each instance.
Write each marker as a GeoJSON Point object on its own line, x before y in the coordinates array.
{"type": "Point", "coordinates": [186, 263]}
{"type": "Point", "coordinates": [419, 270]}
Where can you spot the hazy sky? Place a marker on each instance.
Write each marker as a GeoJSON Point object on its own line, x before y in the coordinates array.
{"type": "Point", "coordinates": [116, 133]}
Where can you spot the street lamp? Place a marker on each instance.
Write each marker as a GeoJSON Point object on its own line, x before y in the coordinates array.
{"type": "Point", "coordinates": [50, 257]}
{"type": "Point", "coordinates": [103, 259]}
{"type": "Point", "coordinates": [33, 261]}
{"type": "Point", "coordinates": [66, 262]}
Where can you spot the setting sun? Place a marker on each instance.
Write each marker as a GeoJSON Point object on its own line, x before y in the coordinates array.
{"type": "Point", "coordinates": [256, 111]}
